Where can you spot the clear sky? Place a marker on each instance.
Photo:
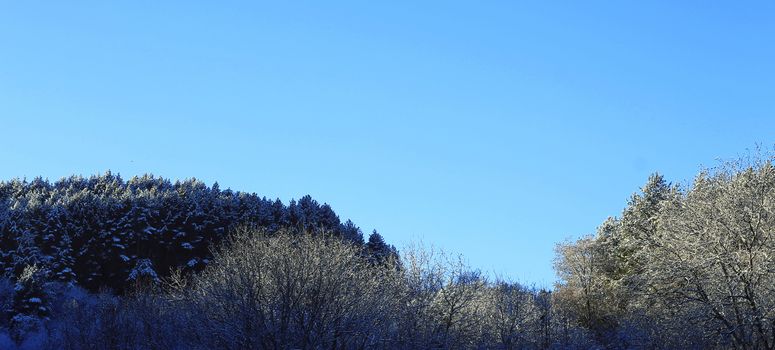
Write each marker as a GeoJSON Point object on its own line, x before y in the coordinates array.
{"type": "Point", "coordinates": [492, 129]}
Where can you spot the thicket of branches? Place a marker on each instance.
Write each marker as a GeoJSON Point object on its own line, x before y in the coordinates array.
{"type": "Point", "coordinates": [304, 290]}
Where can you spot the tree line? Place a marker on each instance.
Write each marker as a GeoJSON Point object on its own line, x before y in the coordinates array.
{"type": "Point", "coordinates": [683, 266]}
{"type": "Point", "coordinates": [102, 231]}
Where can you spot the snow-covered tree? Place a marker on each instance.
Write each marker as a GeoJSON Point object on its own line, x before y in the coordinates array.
{"type": "Point", "coordinates": [29, 297]}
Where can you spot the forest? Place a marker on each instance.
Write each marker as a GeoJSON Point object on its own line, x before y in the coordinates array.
{"type": "Point", "coordinates": [147, 263]}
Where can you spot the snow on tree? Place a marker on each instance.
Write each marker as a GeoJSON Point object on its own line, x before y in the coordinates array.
{"type": "Point", "coordinates": [143, 270]}
{"type": "Point", "coordinates": [29, 295]}
{"type": "Point", "coordinates": [93, 230]}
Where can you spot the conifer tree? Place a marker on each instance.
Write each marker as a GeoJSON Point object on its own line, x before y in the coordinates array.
{"type": "Point", "coordinates": [29, 297]}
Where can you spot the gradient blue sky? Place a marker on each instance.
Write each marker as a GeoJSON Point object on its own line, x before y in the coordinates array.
{"type": "Point", "coordinates": [493, 129]}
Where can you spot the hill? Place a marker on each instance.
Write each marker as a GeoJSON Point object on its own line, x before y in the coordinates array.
{"type": "Point", "coordinates": [105, 232]}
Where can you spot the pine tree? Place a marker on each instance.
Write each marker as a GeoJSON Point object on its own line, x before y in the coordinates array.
{"type": "Point", "coordinates": [143, 273]}
{"type": "Point", "coordinates": [350, 232]}
{"type": "Point", "coordinates": [29, 307]}
{"type": "Point", "coordinates": [63, 261]}
{"type": "Point", "coordinates": [378, 250]}
{"type": "Point", "coordinates": [29, 297]}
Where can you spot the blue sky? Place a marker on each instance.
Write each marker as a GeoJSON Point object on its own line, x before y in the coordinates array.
{"type": "Point", "coordinates": [492, 129]}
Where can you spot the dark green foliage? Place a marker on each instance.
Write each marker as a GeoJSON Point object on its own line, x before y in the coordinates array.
{"type": "Point", "coordinates": [29, 297]}
{"type": "Point", "coordinates": [96, 231]}
{"type": "Point", "coordinates": [378, 250]}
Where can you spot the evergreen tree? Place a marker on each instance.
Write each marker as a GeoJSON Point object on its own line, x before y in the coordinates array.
{"type": "Point", "coordinates": [62, 263]}
{"type": "Point", "coordinates": [29, 297]}
{"type": "Point", "coordinates": [351, 232]}
{"type": "Point", "coordinates": [378, 250]}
